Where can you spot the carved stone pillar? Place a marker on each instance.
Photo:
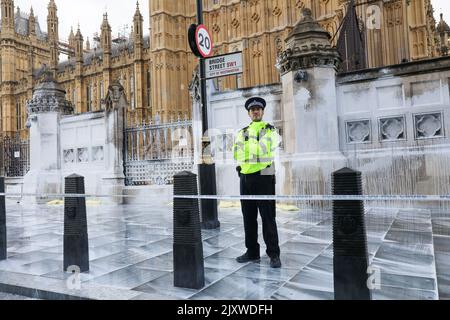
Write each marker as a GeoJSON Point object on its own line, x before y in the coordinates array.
{"type": "Point", "coordinates": [194, 90]}
{"type": "Point", "coordinates": [308, 74]}
{"type": "Point", "coordinates": [44, 113]}
{"type": "Point", "coordinates": [115, 108]}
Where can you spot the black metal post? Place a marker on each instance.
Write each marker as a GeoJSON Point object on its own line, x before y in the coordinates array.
{"type": "Point", "coordinates": [76, 245]}
{"type": "Point", "coordinates": [202, 73]}
{"type": "Point", "coordinates": [188, 265]}
{"type": "Point", "coordinates": [350, 261]}
{"type": "Point", "coordinates": [207, 168]}
{"type": "Point", "coordinates": [3, 244]}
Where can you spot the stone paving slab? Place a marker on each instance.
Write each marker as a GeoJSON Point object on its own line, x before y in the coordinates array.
{"type": "Point", "coordinates": [7, 296]}
{"type": "Point", "coordinates": [56, 289]}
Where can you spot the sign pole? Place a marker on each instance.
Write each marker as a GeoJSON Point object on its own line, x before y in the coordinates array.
{"type": "Point", "coordinates": [207, 168]}
{"type": "Point", "coordinates": [202, 75]}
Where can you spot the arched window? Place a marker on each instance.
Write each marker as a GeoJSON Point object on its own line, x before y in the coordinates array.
{"type": "Point", "coordinates": [132, 89]}
{"type": "Point", "coordinates": [149, 97]}
{"type": "Point", "coordinates": [74, 97]}
{"type": "Point", "coordinates": [19, 115]}
{"type": "Point", "coordinates": [89, 98]}
{"type": "Point", "coordinates": [102, 90]}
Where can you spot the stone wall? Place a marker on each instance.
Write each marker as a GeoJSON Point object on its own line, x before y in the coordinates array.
{"type": "Point", "coordinates": [61, 144]}
{"type": "Point", "coordinates": [399, 106]}
{"type": "Point", "coordinates": [82, 148]}
{"type": "Point", "coordinates": [393, 125]}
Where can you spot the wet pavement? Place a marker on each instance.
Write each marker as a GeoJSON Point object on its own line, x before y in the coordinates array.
{"type": "Point", "coordinates": [131, 255]}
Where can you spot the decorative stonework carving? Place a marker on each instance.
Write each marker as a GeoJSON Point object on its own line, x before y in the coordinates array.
{"type": "Point", "coordinates": [49, 96]}
{"type": "Point", "coordinates": [69, 156]}
{"type": "Point", "coordinates": [428, 126]}
{"type": "Point", "coordinates": [255, 17]}
{"type": "Point", "coordinates": [257, 53]}
{"type": "Point", "coordinates": [235, 23]}
{"type": "Point", "coordinates": [97, 153]}
{"type": "Point", "coordinates": [394, 16]}
{"type": "Point", "coordinates": [216, 28]}
{"type": "Point", "coordinates": [194, 85]}
{"type": "Point", "coordinates": [277, 11]}
{"type": "Point", "coordinates": [115, 93]}
{"type": "Point", "coordinates": [392, 129]}
{"type": "Point", "coordinates": [299, 4]}
{"type": "Point", "coordinates": [307, 46]}
{"type": "Point", "coordinates": [279, 45]}
{"type": "Point", "coordinates": [358, 131]}
{"type": "Point", "coordinates": [82, 155]}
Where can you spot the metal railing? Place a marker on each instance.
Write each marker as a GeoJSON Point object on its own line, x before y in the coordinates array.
{"type": "Point", "coordinates": [14, 156]}
{"type": "Point", "coordinates": [154, 152]}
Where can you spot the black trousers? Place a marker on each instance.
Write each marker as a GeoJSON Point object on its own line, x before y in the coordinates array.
{"type": "Point", "coordinates": [259, 185]}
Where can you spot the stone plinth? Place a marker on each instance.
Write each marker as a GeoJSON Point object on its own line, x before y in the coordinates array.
{"type": "Point", "coordinates": [44, 113]}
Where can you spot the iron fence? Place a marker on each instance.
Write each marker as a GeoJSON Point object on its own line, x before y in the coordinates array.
{"type": "Point", "coordinates": [156, 151]}
{"type": "Point", "coordinates": [14, 156]}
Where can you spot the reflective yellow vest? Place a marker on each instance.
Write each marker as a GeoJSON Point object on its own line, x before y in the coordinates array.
{"type": "Point", "coordinates": [254, 147]}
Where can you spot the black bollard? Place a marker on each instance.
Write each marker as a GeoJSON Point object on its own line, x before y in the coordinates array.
{"type": "Point", "coordinates": [208, 188]}
{"type": "Point", "coordinates": [349, 239]}
{"type": "Point", "coordinates": [3, 244]}
{"type": "Point", "coordinates": [188, 264]}
{"type": "Point", "coordinates": [76, 247]}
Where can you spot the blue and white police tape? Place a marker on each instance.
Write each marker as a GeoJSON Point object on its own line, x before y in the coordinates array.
{"type": "Point", "coordinates": [419, 198]}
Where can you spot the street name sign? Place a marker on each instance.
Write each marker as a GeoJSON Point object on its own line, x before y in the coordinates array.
{"type": "Point", "coordinates": [224, 65]}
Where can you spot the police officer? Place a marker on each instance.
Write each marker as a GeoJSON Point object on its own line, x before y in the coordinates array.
{"type": "Point", "coordinates": [253, 150]}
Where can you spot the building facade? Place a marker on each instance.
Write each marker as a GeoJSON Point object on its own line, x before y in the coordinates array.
{"type": "Point", "coordinates": [24, 48]}
{"type": "Point", "coordinates": [156, 69]}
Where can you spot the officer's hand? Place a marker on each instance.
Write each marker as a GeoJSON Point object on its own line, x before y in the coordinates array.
{"type": "Point", "coordinates": [238, 169]}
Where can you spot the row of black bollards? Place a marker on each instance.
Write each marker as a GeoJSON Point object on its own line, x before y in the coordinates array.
{"type": "Point", "coordinates": [350, 261]}
{"type": "Point", "coordinates": [76, 248]}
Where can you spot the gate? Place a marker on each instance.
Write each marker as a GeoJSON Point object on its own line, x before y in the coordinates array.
{"type": "Point", "coordinates": [14, 156]}
{"type": "Point", "coordinates": [155, 152]}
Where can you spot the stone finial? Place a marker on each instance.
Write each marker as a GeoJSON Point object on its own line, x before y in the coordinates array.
{"type": "Point", "coordinates": [443, 27]}
{"type": "Point", "coordinates": [47, 75]}
{"type": "Point", "coordinates": [78, 35]}
{"type": "Point", "coordinates": [307, 14]}
{"type": "Point", "coordinates": [48, 96]}
{"type": "Point", "coordinates": [307, 45]}
{"type": "Point", "coordinates": [52, 4]}
{"type": "Point", "coordinates": [116, 89]}
{"type": "Point", "coordinates": [138, 12]}
{"type": "Point", "coordinates": [105, 22]}
{"type": "Point", "coordinates": [115, 98]}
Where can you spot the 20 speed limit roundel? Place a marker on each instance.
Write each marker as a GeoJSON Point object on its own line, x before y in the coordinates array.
{"type": "Point", "coordinates": [204, 41]}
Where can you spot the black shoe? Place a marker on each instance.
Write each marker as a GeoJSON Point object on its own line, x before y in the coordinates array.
{"type": "Point", "coordinates": [275, 262]}
{"type": "Point", "coordinates": [246, 258]}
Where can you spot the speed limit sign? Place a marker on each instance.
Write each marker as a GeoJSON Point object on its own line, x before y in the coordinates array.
{"type": "Point", "coordinates": [204, 41]}
{"type": "Point", "coordinates": [200, 41]}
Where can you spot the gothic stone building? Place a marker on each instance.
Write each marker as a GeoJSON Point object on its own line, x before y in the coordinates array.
{"type": "Point", "coordinates": [156, 69]}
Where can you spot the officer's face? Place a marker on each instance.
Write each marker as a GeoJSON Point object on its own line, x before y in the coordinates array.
{"type": "Point", "coordinates": [256, 114]}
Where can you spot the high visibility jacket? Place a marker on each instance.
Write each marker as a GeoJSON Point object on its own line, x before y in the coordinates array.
{"type": "Point", "coordinates": [254, 147]}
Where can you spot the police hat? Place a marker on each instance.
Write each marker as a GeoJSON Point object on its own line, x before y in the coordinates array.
{"type": "Point", "coordinates": [255, 102]}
